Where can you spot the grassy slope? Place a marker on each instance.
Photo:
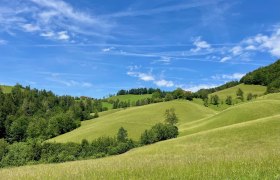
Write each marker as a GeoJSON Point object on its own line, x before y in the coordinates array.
{"type": "Point", "coordinates": [233, 115]}
{"type": "Point", "coordinates": [274, 96]}
{"type": "Point", "coordinates": [254, 89]}
{"type": "Point", "coordinates": [135, 120]}
{"type": "Point", "coordinates": [6, 89]}
{"type": "Point", "coordinates": [248, 150]}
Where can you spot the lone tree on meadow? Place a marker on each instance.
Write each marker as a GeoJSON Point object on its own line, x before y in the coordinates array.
{"type": "Point", "coordinates": [170, 116]}
{"type": "Point", "coordinates": [239, 94]}
{"type": "Point", "coordinates": [229, 100]}
{"type": "Point", "coordinates": [122, 135]}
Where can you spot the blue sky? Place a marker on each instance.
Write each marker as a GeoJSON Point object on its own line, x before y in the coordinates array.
{"type": "Point", "coordinates": [95, 48]}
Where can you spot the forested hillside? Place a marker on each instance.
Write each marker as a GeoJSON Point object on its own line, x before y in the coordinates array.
{"type": "Point", "coordinates": [267, 76]}
{"type": "Point", "coordinates": [30, 113]}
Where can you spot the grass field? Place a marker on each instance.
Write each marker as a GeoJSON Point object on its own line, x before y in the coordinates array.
{"type": "Point", "coordinates": [130, 97]}
{"type": "Point", "coordinates": [241, 142]}
{"type": "Point", "coordinates": [135, 120]}
{"type": "Point", "coordinates": [254, 89]}
{"type": "Point", "coordinates": [248, 150]}
{"type": "Point", "coordinates": [6, 89]}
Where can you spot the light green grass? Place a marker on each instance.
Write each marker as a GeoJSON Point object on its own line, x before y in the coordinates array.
{"type": "Point", "coordinates": [248, 150]}
{"type": "Point", "coordinates": [241, 142]}
{"type": "Point", "coordinates": [135, 120]}
{"type": "Point", "coordinates": [130, 97]}
{"type": "Point", "coordinates": [108, 105]}
{"type": "Point", "coordinates": [273, 96]}
{"type": "Point", "coordinates": [6, 89]}
{"type": "Point", "coordinates": [233, 115]}
{"type": "Point", "coordinates": [254, 89]}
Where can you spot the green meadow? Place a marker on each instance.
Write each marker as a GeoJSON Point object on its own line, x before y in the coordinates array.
{"type": "Point", "coordinates": [241, 142]}
{"type": "Point", "coordinates": [6, 89]}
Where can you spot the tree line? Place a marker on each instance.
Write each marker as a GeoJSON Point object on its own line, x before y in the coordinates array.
{"type": "Point", "coordinates": [215, 99]}
{"type": "Point", "coordinates": [157, 96]}
{"type": "Point", "coordinates": [138, 91]}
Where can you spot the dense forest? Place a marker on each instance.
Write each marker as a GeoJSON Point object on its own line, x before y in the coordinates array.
{"type": "Point", "coordinates": [267, 76]}
{"type": "Point", "coordinates": [30, 113]}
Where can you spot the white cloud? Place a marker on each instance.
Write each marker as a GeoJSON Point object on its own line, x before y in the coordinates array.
{"type": "Point", "coordinates": [47, 34]}
{"type": "Point", "coordinates": [250, 47]}
{"type": "Point", "coordinates": [200, 45]}
{"type": "Point", "coordinates": [63, 35]}
{"type": "Point", "coordinates": [141, 76]}
{"type": "Point", "coordinates": [234, 76]}
{"type": "Point", "coordinates": [270, 43]}
{"type": "Point", "coordinates": [237, 50]}
{"type": "Point", "coordinates": [30, 27]}
{"type": "Point", "coordinates": [149, 77]}
{"type": "Point", "coordinates": [108, 49]}
{"type": "Point", "coordinates": [195, 88]}
{"type": "Point", "coordinates": [224, 59]}
{"type": "Point", "coordinates": [164, 83]}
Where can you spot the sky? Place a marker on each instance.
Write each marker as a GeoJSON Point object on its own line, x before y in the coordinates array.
{"type": "Point", "coordinates": [95, 48]}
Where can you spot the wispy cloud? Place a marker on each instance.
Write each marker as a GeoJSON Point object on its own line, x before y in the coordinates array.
{"type": "Point", "coordinates": [164, 9]}
{"type": "Point", "coordinates": [200, 45]}
{"type": "Point", "coordinates": [234, 76]}
{"type": "Point", "coordinates": [149, 77]}
{"type": "Point", "coordinates": [224, 59]}
{"type": "Point", "coordinates": [50, 16]}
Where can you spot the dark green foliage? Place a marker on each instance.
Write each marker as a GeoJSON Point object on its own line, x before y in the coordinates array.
{"type": "Point", "coordinates": [168, 97]}
{"type": "Point", "coordinates": [170, 116]}
{"type": "Point", "coordinates": [3, 148]}
{"type": "Point", "coordinates": [215, 100]}
{"type": "Point", "coordinates": [266, 76]}
{"type": "Point", "coordinates": [18, 154]}
{"type": "Point", "coordinates": [205, 102]}
{"type": "Point", "coordinates": [178, 93]}
{"type": "Point", "coordinates": [30, 113]}
{"type": "Point", "coordinates": [96, 115]}
{"type": "Point", "coordinates": [229, 100]}
{"type": "Point", "coordinates": [138, 91]}
{"type": "Point", "coordinates": [122, 135]}
{"type": "Point", "coordinates": [159, 132]}
{"type": "Point", "coordinates": [239, 94]}
{"type": "Point", "coordinates": [249, 96]}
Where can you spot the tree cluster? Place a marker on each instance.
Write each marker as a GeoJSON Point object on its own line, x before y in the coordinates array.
{"type": "Point", "coordinates": [138, 91]}
{"type": "Point", "coordinates": [30, 113]}
{"type": "Point", "coordinates": [32, 151]}
{"type": "Point", "coordinates": [160, 131]}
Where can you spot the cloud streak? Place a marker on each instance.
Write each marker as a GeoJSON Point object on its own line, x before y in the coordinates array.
{"type": "Point", "coordinates": [165, 9]}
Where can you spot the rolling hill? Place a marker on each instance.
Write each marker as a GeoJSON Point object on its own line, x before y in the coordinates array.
{"type": "Point", "coordinates": [248, 148]}
{"type": "Point", "coordinates": [254, 89]}
{"type": "Point", "coordinates": [142, 117]}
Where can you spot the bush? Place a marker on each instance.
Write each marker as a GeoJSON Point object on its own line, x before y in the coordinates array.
{"type": "Point", "coordinates": [19, 153]}
{"type": "Point", "coordinates": [159, 132]}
